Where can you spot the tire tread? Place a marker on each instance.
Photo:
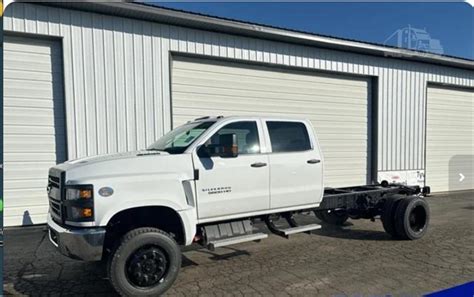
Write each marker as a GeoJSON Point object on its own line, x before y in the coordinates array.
{"type": "Point", "coordinates": [125, 239]}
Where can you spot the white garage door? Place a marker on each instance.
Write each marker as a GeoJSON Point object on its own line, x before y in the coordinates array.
{"type": "Point", "coordinates": [449, 139]}
{"type": "Point", "coordinates": [34, 138]}
{"type": "Point", "coordinates": [336, 105]}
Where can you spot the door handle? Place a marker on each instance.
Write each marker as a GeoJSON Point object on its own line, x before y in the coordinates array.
{"type": "Point", "coordinates": [259, 164]}
{"type": "Point", "coordinates": [313, 161]}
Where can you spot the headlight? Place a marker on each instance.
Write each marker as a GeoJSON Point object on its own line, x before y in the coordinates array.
{"type": "Point", "coordinates": [78, 213]}
{"type": "Point", "coordinates": [78, 193]}
{"type": "Point", "coordinates": [79, 203]}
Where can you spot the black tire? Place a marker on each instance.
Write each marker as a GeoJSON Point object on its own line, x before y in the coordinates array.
{"type": "Point", "coordinates": [412, 218]}
{"type": "Point", "coordinates": [319, 215]}
{"type": "Point", "coordinates": [145, 263]}
{"type": "Point", "coordinates": [388, 214]}
{"type": "Point", "coordinates": [337, 218]}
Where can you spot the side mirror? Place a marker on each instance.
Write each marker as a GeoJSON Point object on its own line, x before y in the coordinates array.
{"type": "Point", "coordinates": [228, 147]}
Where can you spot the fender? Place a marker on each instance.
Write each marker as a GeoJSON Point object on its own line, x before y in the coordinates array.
{"type": "Point", "coordinates": [188, 216]}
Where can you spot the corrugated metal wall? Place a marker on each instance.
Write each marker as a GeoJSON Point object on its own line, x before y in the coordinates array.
{"type": "Point", "coordinates": [117, 86]}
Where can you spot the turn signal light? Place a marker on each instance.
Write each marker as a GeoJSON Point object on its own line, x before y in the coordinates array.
{"type": "Point", "coordinates": [87, 212]}
{"type": "Point", "coordinates": [85, 194]}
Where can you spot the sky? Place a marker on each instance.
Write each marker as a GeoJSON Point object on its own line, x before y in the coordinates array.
{"type": "Point", "coordinates": [445, 28]}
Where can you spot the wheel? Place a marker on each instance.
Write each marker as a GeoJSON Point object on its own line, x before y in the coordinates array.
{"type": "Point", "coordinates": [412, 217]}
{"type": "Point", "coordinates": [145, 263]}
{"type": "Point", "coordinates": [335, 217]}
{"type": "Point", "coordinates": [388, 214]}
{"type": "Point", "coordinates": [319, 214]}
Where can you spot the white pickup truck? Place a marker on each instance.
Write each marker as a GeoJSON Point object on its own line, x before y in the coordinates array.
{"type": "Point", "coordinates": [207, 182]}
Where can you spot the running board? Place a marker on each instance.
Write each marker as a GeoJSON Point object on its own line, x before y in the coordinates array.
{"type": "Point", "coordinates": [293, 229]}
{"type": "Point", "coordinates": [300, 229]}
{"type": "Point", "coordinates": [234, 240]}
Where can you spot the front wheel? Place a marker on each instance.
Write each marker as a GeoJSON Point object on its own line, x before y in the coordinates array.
{"type": "Point", "coordinates": [146, 263]}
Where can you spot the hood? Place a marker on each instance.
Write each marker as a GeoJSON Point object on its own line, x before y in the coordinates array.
{"type": "Point", "coordinates": [89, 169]}
{"type": "Point", "coordinates": [111, 157]}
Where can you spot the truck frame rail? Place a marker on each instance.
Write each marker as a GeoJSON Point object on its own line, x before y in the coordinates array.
{"type": "Point", "coordinates": [358, 197]}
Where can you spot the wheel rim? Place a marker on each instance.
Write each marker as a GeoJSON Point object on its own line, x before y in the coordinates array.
{"type": "Point", "coordinates": [146, 267]}
{"type": "Point", "coordinates": [417, 219]}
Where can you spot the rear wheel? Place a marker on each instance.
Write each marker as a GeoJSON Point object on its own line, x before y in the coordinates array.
{"type": "Point", "coordinates": [146, 262]}
{"type": "Point", "coordinates": [412, 217]}
{"type": "Point", "coordinates": [388, 213]}
{"type": "Point", "coordinates": [334, 217]}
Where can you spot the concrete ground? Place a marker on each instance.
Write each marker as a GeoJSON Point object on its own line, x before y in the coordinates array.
{"type": "Point", "coordinates": [359, 261]}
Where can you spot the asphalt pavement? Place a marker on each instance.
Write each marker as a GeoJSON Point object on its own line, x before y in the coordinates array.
{"type": "Point", "coordinates": [360, 260]}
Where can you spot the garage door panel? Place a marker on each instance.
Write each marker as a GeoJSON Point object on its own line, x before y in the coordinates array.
{"type": "Point", "coordinates": [14, 74]}
{"type": "Point", "coordinates": [294, 105]}
{"type": "Point", "coordinates": [15, 171]}
{"type": "Point", "coordinates": [29, 157]}
{"type": "Point", "coordinates": [31, 196]}
{"type": "Point", "coordinates": [336, 105]}
{"type": "Point", "coordinates": [34, 183]}
{"type": "Point", "coordinates": [455, 116]}
{"type": "Point", "coordinates": [292, 108]}
{"type": "Point", "coordinates": [200, 111]}
{"type": "Point", "coordinates": [202, 91]}
{"type": "Point", "coordinates": [182, 64]}
{"type": "Point", "coordinates": [30, 110]}
{"type": "Point", "coordinates": [449, 133]}
{"type": "Point", "coordinates": [26, 216]}
{"type": "Point", "coordinates": [340, 102]}
{"type": "Point", "coordinates": [27, 45]}
{"type": "Point", "coordinates": [28, 93]}
{"type": "Point", "coordinates": [34, 129]}
{"type": "Point", "coordinates": [33, 66]}
{"type": "Point", "coordinates": [35, 120]}
{"type": "Point", "coordinates": [28, 102]}
{"type": "Point", "coordinates": [275, 92]}
{"type": "Point", "coordinates": [284, 87]}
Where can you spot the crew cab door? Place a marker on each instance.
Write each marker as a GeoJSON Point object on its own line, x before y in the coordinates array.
{"type": "Point", "coordinates": [233, 185]}
{"type": "Point", "coordinates": [295, 164]}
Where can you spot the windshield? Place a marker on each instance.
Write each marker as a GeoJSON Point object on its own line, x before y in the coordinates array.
{"type": "Point", "coordinates": [178, 140]}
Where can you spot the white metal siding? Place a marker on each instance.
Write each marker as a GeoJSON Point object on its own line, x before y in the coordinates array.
{"type": "Point", "coordinates": [117, 79]}
{"type": "Point", "coordinates": [33, 125]}
{"type": "Point", "coordinates": [450, 139]}
{"type": "Point", "coordinates": [335, 104]}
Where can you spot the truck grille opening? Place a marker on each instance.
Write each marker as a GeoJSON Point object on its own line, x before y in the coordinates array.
{"type": "Point", "coordinates": [54, 196]}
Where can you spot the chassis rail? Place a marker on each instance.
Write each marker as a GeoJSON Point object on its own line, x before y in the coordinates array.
{"type": "Point", "coordinates": [363, 197]}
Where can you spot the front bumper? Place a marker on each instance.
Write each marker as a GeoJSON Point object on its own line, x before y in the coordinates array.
{"type": "Point", "coordinates": [77, 243]}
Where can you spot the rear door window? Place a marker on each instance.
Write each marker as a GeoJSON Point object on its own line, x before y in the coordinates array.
{"type": "Point", "coordinates": [288, 136]}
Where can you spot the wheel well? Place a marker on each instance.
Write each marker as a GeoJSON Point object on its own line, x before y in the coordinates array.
{"type": "Point", "coordinates": [161, 217]}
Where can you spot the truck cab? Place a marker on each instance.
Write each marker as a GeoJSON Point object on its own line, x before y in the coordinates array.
{"type": "Point", "coordinates": [205, 181]}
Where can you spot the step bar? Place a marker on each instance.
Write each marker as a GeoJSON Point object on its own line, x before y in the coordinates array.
{"type": "Point", "coordinates": [212, 245]}
{"type": "Point", "coordinates": [300, 229]}
{"type": "Point", "coordinates": [293, 229]}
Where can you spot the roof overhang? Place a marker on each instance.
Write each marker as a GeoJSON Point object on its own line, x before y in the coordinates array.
{"type": "Point", "coordinates": [193, 20]}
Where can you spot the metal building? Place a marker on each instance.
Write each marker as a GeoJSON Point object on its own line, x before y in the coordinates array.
{"type": "Point", "coordinates": [98, 78]}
